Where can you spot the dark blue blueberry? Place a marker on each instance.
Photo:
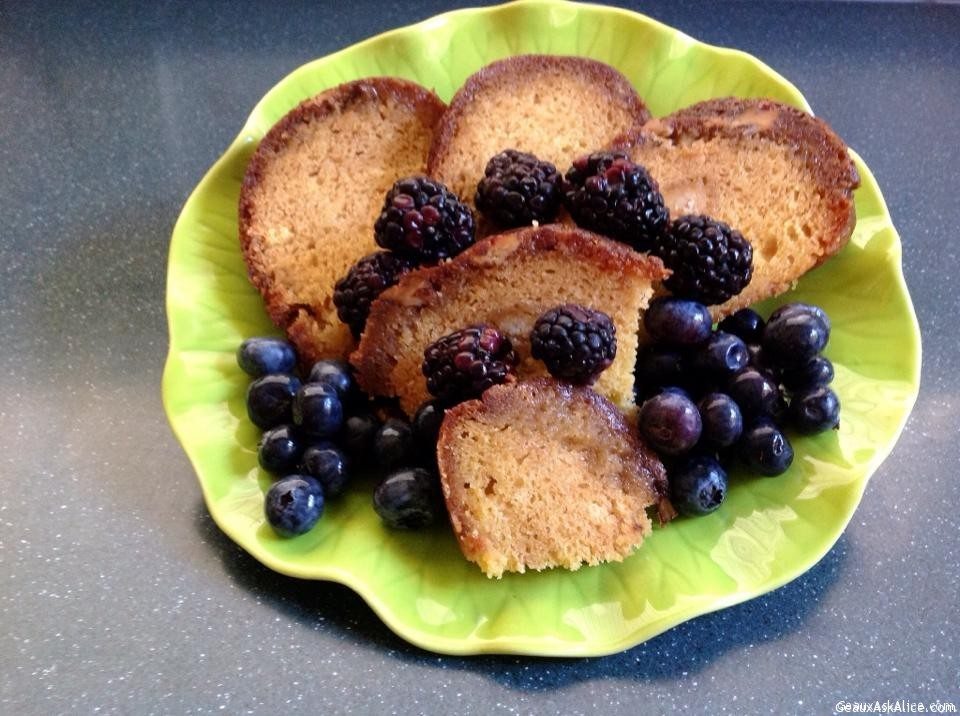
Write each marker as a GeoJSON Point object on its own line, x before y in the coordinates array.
{"type": "Point", "coordinates": [670, 423]}
{"type": "Point", "coordinates": [329, 466]}
{"type": "Point", "coordinates": [723, 354]}
{"type": "Point", "coordinates": [294, 504]}
{"type": "Point", "coordinates": [722, 420]}
{"type": "Point", "coordinates": [279, 450]}
{"type": "Point", "coordinates": [794, 337]}
{"type": "Point", "coordinates": [317, 410]}
{"type": "Point", "coordinates": [357, 436]}
{"type": "Point", "coordinates": [336, 374]}
{"type": "Point", "coordinates": [658, 366]}
{"type": "Point", "coordinates": [816, 371]}
{"type": "Point", "coordinates": [755, 393]}
{"type": "Point", "coordinates": [261, 356]}
{"type": "Point", "coordinates": [815, 410]}
{"type": "Point", "coordinates": [745, 323]}
{"type": "Point", "coordinates": [698, 485]}
{"type": "Point", "coordinates": [408, 499]}
{"type": "Point", "coordinates": [393, 445]}
{"type": "Point", "coordinates": [426, 425]}
{"type": "Point", "coordinates": [797, 307]}
{"type": "Point", "coordinates": [765, 449]}
{"type": "Point", "coordinates": [677, 321]}
{"type": "Point", "coordinates": [270, 399]}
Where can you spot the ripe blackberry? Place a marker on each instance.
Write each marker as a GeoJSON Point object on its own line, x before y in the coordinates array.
{"type": "Point", "coordinates": [576, 343]}
{"type": "Point", "coordinates": [710, 261]}
{"type": "Point", "coordinates": [607, 193]}
{"type": "Point", "coordinates": [366, 280]}
{"type": "Point", "coordinates": [465, 363]}
{"type": "Point", "coordinates": [424, 220]}
{"type": "Point", "coordinates": [518, 189]}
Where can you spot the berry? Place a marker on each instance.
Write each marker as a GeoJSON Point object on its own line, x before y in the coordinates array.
{"type": "Point", "coordinates": [465, 363]}
{"type": "Point", "coordinates": [722, 420]}
{"type": "Point", "coordinates": [765, 449]}
{"type": "Point", "coordinates": [356, 437]}
{"type": "Point", "coordinates": [261, 356]}
{"type": "Point", "coordinates": [293, 505]}
{"type": "Point", "coordinates": [607, 193]}
{"type": "Point", "coordinates": [269, 400]}
{"type": "Point", "coordinates": [815, 410]}
{"type": "Point", "coordinates": [710, 261]}
{"type": "Point", "coordinates": [755, 393]}
{"type": "Point", "coordinates": [670, 422]}
{"type": "Point", "coordinates": [518, 189]}
{"type": "Point", "coordinates": [424, 220]}
{"type": "Point", "coordinates": [794, 337]}
{"type": "Point", "coordinates": [393, 444]}
{"type": "Point", "coordinates": [797, 307]}
{"type": "Point", "coordinates": [336, 374]}
{"type": "Point", "coordinates": [364, 282]}
{"type": "Point", "coordinates": [329, 466]}
{"type": "Point", "coordinates": [677, 321]}
{"type": "Point", "coordinates": [724, 354]}
{"type": "Point", "coordinates": [317, 410]}
{"type": "Point", "coordinates": [279, 450]}
{"type": "Point", "coordinates": [657, 367]}
{"type": "Point", "coordinates": [816, 371]}
{"type": "Point", "coordinates": [408, 499]}
{"type": "Point", "coordinates": [576, 343]}
{"type": "Point", "coordinates": [745, 323]}
{"type": "Point", "coordinates": [698, 485]}
{"type": "Point", "coordinates": [426, 425]}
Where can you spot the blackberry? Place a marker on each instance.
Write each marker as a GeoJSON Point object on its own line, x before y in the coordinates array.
{"type": "Point", "coordinates": [518, 189]}
{"type": "Point", "coordinates": [424, 220]}
{"type": "Point", "coordinates": [607, 193]}
{"type": "Point", "coordinates": [576, 343]}
{"type": "Point", "coordinates": [465, 363]}
{"type": "Point", "coordinates": [710, 261]}
{"type": "Point", "coordinates": [366, 280]}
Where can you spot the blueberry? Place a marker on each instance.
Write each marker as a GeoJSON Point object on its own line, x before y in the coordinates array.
{"type": "Point", "coordinates": [670, 423]}
{"type": "Point", "coordinates": [657, 366]}
{"type": "Point", "coordinates": [393, 444]}
{"type": "Point", "coordinates": [815, 410]}
{"type": "Point", "coordinates": [270, 398]}
{"type": "Point", "coordinates": [723, 354]}
{"type": "Point", "coordinates": [426, 425]}
{"type": "Point", "coordinates": [408, 499]}
{"type": "Point", "coordinates": [698, 485]}
{"type": "Point", "coordinates": [357, 436]}
{"type": "Point", "coordinates": [329, 466]}
{"type": "Point", "coordinates": [794, 337]}
{"type": "Point", "coordinates": [755, 393]}
{"type": "Point", "coordinates": [816, 371]}
{"type": "Point", "coordinates": [798, 307]}
{"type": "Point", "coordinates": [317, 410]}
{"type": "Point", "coordinates": [677, 321]}
{"type": "Point", "coordinates": [745, 323]}
{"type": "Point", "coordinates": [722, 420]}
{"type": "Point", "coordinates": [294, 504]}
{"type": "Point", "coordinates": [261, 356]}
{"type": "Point", "coordinates": [765, 449]}
{"type": "Point", "coordinates": [336, 374]}
{"type": "Point", "coordinates": [279, 450]}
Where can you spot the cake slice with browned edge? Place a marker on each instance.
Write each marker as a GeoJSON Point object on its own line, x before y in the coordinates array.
{"type": "Point", "coordinates": [507, 281]}
{"type": "Point", "coordinates": [555, 107]}
{"type": "Point", "coordinates": [778, 175]}
{"type": "Point", "coordinates": [312, 192]}
{"type": "Point", "coordinates": [543, 474]}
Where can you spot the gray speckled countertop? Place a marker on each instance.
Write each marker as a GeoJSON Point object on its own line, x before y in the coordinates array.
{"type": "Point", "coordinates": [120, 595]}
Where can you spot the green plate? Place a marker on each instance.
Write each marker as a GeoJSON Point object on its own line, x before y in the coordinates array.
{"type": "Point", "coordinates": [768, 532]}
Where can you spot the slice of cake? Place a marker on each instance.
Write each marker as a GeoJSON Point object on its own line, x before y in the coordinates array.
{"type": "Point", "coordinates": [552, 106]}
{"type": "Point", "coordinates": [313, 190]}
{"type": "Point", "coordinates": [507, 281]}
{"type": "Point", "coordinates": [543, 474]}
{"type": "Point", "coordinates": [778, 175]}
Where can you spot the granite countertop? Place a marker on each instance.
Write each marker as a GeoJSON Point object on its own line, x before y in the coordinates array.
{"type": "Point", "coordinates": [119, 593]}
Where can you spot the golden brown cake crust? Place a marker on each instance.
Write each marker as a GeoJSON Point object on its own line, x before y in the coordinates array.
{"type": "Point", "coordinates": [425, 288]}
{"type": "Point", "coordinates": [300, 319]}
{"type": "Point", "coordinates": [629, 469]}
